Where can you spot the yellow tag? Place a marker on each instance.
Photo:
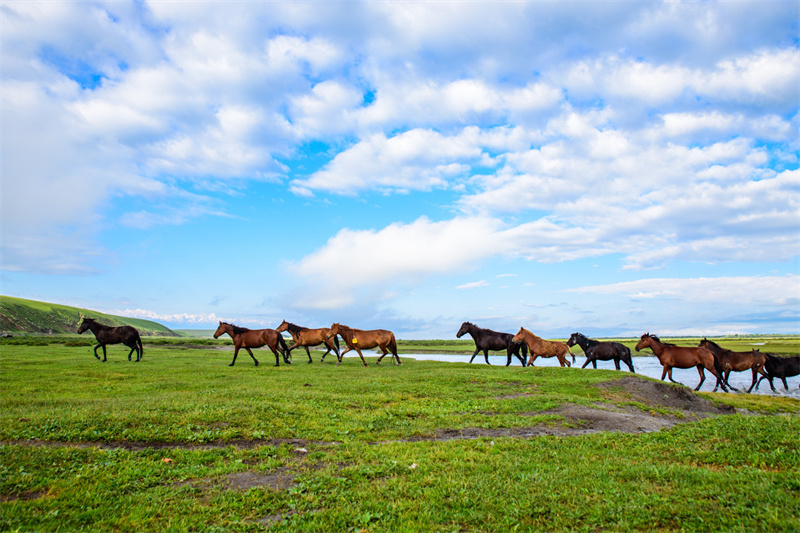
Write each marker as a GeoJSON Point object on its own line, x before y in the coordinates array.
{"type": "Point", "coordinates": [355, 341]}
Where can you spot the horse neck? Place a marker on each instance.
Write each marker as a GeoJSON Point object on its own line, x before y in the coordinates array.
{"type": "Point", "coordinates": [96, 327]}
{"type": "Point", "coordinates": [585, 342]}
{"type": "Point", "coordinates": [657, 347]}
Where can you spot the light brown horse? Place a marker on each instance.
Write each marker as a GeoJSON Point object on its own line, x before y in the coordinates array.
{"type": "Point", "coordinates": [253, 338]}
{"type": "Point", "coordinates": [305, 337]}
{"type": "Point", "coordinates": [357, 339]}
{"type": "Point", "coordinates": [540, 347]}
{"type": "Point", "coordinates": [731, 361]}
{"type": "Point", "coordinates": [671, 356]}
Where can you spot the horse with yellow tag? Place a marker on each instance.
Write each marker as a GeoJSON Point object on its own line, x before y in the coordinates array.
{"type": "Point", "coordinates": [356, 339]}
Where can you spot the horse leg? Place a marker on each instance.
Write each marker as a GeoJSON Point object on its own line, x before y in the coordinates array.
{"type": "Point", "coordinates": [726, 382]}
{"type": "Point", "coordinates": [361, 356]}
{"type": "Point", "coordinates": [629, 362]}
{"type": "Point", "coordinates": [274, 351]}
{"type": "Point", "coordinates": [785, 386]}
{"type": "Point", "coordinates": [384, 351]}
{"type": "Point", "coordinates": [756, 381]}
{"type": "Point", "coordinates": [95, 353]}
{"type": "Point", "coordinates": [131, 353]}
{"type": "Point", "coordinates": [341, 355]}
{"type": "Point", "coordinates": [702, 377]}
{"type": "Point", "coordinates": [104, 353]}
{"type": "Point", "coordinates": [586, 363]}
{"type": "Point", "coordinates": [308, 353]}
{"type": "Point", "coordinates": [473, 355]}
{"type": "Point", "coordinates": [616, 363]}
{"type": "Point", "coordinates": [486, 356]}
{"type": "Point", "coordinates": [532, 358]}
{"type": "Point", "coordinates": [256, 360]}
{"type": "Point", "coordinates": [235, 355]}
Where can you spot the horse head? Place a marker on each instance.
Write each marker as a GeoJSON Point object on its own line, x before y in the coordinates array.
{"type": "Point", "coordinates": [646, 341]}
{"type": "Point", "coordinates": [221, 330]}
{"type": "Point", "coordinates": [283, 327]}
{"type": "Point", "coordinates": [520, 336]}
{"type": "Point", "coordinates": [334, 330]}
{"type": "Point", "coordinates": [85, 324]}
{"type": "Point", "coordinates": [575, 338]}
{"type": "Point", "coordinates": [463, 329]}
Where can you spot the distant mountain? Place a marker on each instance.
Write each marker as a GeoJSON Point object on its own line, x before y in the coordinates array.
{"type": "Point", "coordinates": [29, 316]}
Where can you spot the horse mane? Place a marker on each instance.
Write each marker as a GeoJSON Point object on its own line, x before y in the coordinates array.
{"type": "Point", "coordinates": [655, 338]}
{"type": "Point", "coordinates": [531, 334]}
{"type": "Point", "coordinates": [237, 329]}
{"type": "Point", "coordinates": [294, 328]}
{"type": "Point", "coordinates": [715, 345]}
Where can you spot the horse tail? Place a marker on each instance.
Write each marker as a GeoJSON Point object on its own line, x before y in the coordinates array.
{"type": "Point", "coordinates": [393, 344]}
{"type": "Point", "coordinates": [627, 351]}
{"type": "Point", "coordinates": [141, 346]}
{"type": "Point", "coordinates": [283, 345]}
{"type": "Point", "coordinates": [572, 354]}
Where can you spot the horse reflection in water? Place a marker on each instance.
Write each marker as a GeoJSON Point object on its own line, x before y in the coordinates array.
{"type": "Point", "coordinates": [253, 338]}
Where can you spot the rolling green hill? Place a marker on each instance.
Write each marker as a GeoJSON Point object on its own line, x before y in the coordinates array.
{"type": "Point", "coordinates": [18, 316]}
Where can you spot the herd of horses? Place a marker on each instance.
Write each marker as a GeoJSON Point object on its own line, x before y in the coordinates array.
{"type": "Point", "coordinates": [707, 356]}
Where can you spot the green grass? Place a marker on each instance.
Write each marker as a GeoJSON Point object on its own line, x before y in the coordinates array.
{"type": "Point", "coordinates": [26, 317]}
{"type": "Point", "coordinates": [367, 461]}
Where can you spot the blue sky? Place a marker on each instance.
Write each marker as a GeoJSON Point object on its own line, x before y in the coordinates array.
{"type": "Point", "coordinates": [604, 167]}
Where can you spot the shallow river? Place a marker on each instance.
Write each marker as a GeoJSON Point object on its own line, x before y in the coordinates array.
{"type": "Point", "coordinates": [648, 366]}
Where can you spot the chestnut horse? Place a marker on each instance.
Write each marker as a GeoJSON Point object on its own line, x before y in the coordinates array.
{"type": "Point", "coordinates": [540, 347]}
{"type": "Point", "coordinates": [253, 338]}
{"type": "Point", "coordinates": [305, 337]}
{"type": "Point", "coordinates": [126, 335]}
{"type": "Point", "coordinates": [731, 361]}
{"type": "Point", "coordinates": [671, 356]}
{"type": "Point", "coordinates": [359, 338]}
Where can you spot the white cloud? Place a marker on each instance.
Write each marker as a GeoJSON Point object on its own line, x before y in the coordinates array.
{"type": "Point", "coordinates": [472, 285]}
{"type": "Point", "coordinates": [770, 291]}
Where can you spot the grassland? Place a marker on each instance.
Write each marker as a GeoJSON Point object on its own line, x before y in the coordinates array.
{"type": "Point", "coordinates": [20, 316]}
{"type": "Point", "coordinates": [182, 442]}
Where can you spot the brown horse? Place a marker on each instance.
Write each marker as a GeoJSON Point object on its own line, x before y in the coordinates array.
{"type": "Point", "coordinates": [671, 356]}
{"type": "Point", "coordinates": [540, 347]}
{"type": "Point", "coordinates": [731, 361]}
{"type": "Point", "coordinates": [305, 337]}
{"type": "Point", "coordinates": [366, 339]}
{"type": "Point", "coordinates": [253, 338]}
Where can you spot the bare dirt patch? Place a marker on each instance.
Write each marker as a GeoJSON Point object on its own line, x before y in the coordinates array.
{"type": "Point", "coordinates": [663, 406]}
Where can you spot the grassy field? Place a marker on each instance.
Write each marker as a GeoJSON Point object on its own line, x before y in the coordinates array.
{"type": "Point", "coordinates": [182, 442]}
{"type": "Point", "coordinates": [30, 317]}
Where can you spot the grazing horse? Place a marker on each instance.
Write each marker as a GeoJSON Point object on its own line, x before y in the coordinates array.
{"type": "Point", "coordinates": [540, 347]}
{"type": "Point", "coordinates": [671, 356]}
{"type": "Point", "coordinates": [731, 361]}
{"type": "Point", "coordinates": [305, 337]}
{"type": "Point", "coordinates": [602, 351]}
{"type": "Point", "coordinates": [126, 335]}
{"type": "Point", "coordinates": [780, 367]}
{"type": "Point", "coordinates": [253, 338]}
{"type": "Point", "coordinates": [486, 339]}
{"type": "Point", "coordinates": [359, 338]}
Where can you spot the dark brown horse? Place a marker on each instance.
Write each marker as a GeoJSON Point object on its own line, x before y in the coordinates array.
{"type": "Point", "coordinates": [731, 361]}
{"type": "Point", "coordinates": [671, 356]}
{"type": "Point", "coordinates": [356, 339]}
{"type": "Point", "coordinates": [126, 335]}
{"type": "Point", "coordinates": [305, 337]}
{"type": "Point", "coordinates": [487, 339]}
{"type": "Point", "coordinates": [253, 338]}
{"type": "Point", "coordinates": [781, 368]}
{"type": "Point", "coordinates": [544, 348]}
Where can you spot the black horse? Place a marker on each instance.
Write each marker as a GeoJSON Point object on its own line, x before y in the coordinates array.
{"type": "Point", "coordinates": [603, 351]}
{"type": "Point", "coordinates": [126, 335]}
{"type": "Point", "coordinates": [780, 367]}
{"type": "Point", "coordinates": [486, 339]}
